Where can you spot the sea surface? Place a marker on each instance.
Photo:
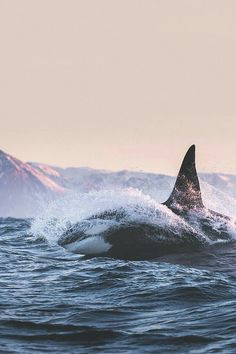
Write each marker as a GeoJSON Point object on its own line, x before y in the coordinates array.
{"type": "Point", "coordinates": [54, 301]}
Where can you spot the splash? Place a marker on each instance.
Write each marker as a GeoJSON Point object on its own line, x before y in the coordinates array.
{"type": "Point", "coordinates": [217, 200]}
{"type": "Point", "coordinates": [73, 208]}
{"type": "Point", "coordinates": [59, 215]}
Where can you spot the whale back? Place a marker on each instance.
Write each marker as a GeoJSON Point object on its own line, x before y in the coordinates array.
{"type": "Point", "coordinates": [186, 193]}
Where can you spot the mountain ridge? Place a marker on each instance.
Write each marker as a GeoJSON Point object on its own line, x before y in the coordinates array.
{"type": "Point", "coordinates": [26, 187]}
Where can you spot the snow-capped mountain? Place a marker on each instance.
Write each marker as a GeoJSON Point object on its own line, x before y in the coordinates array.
{"type": "Point", "coordinates": [218, 190]}
{"type": "Point", "coordinates": [85, 178]}
{"type": "Point", "coordinates": [25, 188]}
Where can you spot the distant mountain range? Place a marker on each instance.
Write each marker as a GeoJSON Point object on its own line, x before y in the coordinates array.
{"type": "Point", "coordinates": [25, 188]}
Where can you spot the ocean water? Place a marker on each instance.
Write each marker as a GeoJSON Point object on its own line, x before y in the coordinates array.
{"type": "Point", "coordinates": [55, 301]}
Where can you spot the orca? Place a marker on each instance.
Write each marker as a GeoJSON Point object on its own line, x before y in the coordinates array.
{"type": "Point", "coordinates": [188, 225]}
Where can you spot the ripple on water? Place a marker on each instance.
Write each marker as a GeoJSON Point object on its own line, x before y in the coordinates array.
{"type": "Point", "coordinates": [50, 300]}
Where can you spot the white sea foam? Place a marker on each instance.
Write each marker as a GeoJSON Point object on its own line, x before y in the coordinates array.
{"type": "Point", "coordinates": [59, 215]}
{"type": "Point", "coordinates": [76, 207]}
{"type": "Point", "coordinates": [217, 200]}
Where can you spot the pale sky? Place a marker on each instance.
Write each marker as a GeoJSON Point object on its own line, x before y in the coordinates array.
{"type": "Point", "coordinates": [119, 84]}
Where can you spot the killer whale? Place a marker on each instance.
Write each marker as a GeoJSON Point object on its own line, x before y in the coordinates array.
{"type": "Point", "coordinates": [190, 225]}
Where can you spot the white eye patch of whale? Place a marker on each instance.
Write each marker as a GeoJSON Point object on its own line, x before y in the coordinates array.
{"type": "Point", "coordinates": [93, 245]}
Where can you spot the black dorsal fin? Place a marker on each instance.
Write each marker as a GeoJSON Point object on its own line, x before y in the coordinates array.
{"type": "Point", "coordinates": [186, 193]}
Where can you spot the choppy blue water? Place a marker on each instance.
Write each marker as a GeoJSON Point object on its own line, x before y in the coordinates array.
{"type": "Point", "coordinates": [53, 301]}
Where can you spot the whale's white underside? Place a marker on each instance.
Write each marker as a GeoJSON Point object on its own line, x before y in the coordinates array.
{"type": "Point", "coordinates": [93, 245]}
